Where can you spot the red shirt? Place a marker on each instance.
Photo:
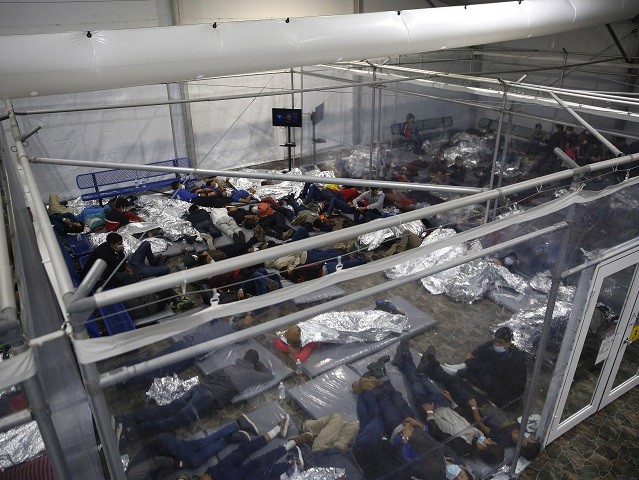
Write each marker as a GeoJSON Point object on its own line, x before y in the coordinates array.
{"type": "Point", "coordinates": [349, 193]}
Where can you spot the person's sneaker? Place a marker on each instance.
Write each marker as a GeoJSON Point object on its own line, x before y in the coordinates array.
{"type": "Point", "coordinates": [247, 425]}
{"type": "Point", "coordinates": [377, 368]}
{"type": "Point", "coordinates": [303, 439]}
{"type": "Point", "coordinates": [240, 436]}
{"type": "Point", "coordinates": [402, 348]}
{"type": "Point", "coordinates": [120, 436]}
{"type": "Point", "coordinates": [259, 233]}
{"type": "Point", "coordinates": [236, 238]}
{"type": "Point", "coordinates": [452, 369]}
{"type": "Point", "coordinates": [370, 383]}
{"type": "Point", "coordinates": [283, 424]}
{"type": "Point", "coordinates": [288, 234]}
{"type": "Point", "coordinates": [296, 462]}
{"type": "Point", "coordinates": [430, 351]}
{"type": "Point", "coordinates": [357, 387]}
{"type": "Point", "coordinates": [242, 236]}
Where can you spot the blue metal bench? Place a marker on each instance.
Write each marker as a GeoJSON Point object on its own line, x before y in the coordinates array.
{"type": "Point", "coordinates": [91, 326]}
{"type": "Point", "coordinates": [129, 181]}
{"type": "Point", "coordinates": [428, 127]}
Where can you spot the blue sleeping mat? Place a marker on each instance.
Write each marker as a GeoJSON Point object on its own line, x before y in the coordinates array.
{"type": "Point", "coordinates": [228, 354]}
{"type": "Point", "coordinates": [328, 356]}
{"type": "Point", "coordinates": [329, 393]}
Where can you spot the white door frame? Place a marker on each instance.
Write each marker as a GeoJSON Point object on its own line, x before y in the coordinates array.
{"type": "Point", "coordinates": [602, 394]}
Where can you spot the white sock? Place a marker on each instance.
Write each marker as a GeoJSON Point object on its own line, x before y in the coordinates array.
{"type": "Point", "coordinates": [288, 445]}
{"type": "Point", "coordinates": [273, 432]}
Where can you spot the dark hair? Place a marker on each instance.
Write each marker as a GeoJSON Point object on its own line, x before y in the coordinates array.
{"type": "Point", "coordinates": [409, 115]}
{"type": "Point", "coordinates": [113, 238]}
{"type": "Point", "coordinates": [193, 208]}
{"type": "Point", "coordinates": [317, 223]}
{"type": "Point", "coordinates": [175, 185]}
{"type": "Point", "coordinates": [505, 333]}
{"type": "Point", "coordinates": [249, 223]}
{"type": "Point", "coordinates": [75, 227]}
{"type": "Point", "coordinates": [491, 454]}
{"type": "Point", "coordinates": [530, 450]}
{"type": "Point", "coordinates": [120, 202]}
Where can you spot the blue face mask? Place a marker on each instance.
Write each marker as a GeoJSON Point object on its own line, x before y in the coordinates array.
{"type": "Point", "coordinates": [499, 349]}
{"type": "Point", "coordinates": [452, 471]}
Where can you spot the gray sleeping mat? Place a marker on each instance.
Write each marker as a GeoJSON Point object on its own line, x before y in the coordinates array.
{"type": "Point", "coordinates": [323, 294]}
{"type": "Point", "coordinates": [329, 393]}
{"type": "Point", "coordinates": [228, 354]}
{"type": "Point", "coordinates": [513, 301]}
{"type": "Point", "coordinates": [328, 356]}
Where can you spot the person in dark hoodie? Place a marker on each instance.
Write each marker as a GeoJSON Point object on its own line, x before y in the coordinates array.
{"type": "Point", "coordinates": [214, 391]}
{"type": "Point", "coordinates": [499, 368]}
{"type": "Point", "coordinates": [200, 219]}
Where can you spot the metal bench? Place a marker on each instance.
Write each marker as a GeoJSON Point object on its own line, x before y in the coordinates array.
{"type": "Point", "coordinates": [429, 126]}
{"type": "Point", "coordinates": [129, 181]}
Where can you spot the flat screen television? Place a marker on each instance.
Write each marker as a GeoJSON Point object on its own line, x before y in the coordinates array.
{"type": "Point", "coordinates": [287, 117]}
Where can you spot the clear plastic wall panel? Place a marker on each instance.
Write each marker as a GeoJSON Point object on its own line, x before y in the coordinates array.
{"type": "Point", "coordinates": [334, 115]}
{"type": "Point", "coordinates": [127, 135]}
{"type": "Point", "coordinates": [240, 132]}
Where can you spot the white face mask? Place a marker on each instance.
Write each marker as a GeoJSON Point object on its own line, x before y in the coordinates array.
{"type": "Point", "coordinates": [499, 349]}
{"type": "Point", "coordinates": [509, 262]}
{"type": "Point", "coordinates": [452, 471]}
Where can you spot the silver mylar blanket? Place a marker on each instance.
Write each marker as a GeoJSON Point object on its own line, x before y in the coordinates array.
{"type": "Point", "coordinates": [320, 473]}
{"type": "Point", "coordinates": [20, 444]}
{"type": "Point", "coordinates": [527, 324]}
{"type": "Point", "coordinates": [375, 239]}
{"type": "Point", "coordinates": [465, 283]}
{"type": "Point", "coordinates": [349, 327]}
{"type": "Point", "coordinates": [280, 189]}
{"type": "Point", "coordinates": [167, 389]}
{"type": "Point", "coordinates": [158, 245]}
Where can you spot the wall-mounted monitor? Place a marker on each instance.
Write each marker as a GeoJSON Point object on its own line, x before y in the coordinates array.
{"type": "Point", "coordinates": [318, 115]}
{"type": "Point", "coordinates": [287, 117]}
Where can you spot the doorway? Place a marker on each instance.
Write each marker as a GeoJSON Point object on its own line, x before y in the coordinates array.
{"type": "Point", "coordinates": [604, 362]}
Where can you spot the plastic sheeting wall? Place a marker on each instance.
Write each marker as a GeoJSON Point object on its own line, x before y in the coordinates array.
{"type": "Point", "coordinates": [131, 135]}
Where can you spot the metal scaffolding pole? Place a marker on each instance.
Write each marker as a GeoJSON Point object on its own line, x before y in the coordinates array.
{"type": "Point", "coordinates": [11, 333]}
{"type": "Point", "coordinates": [115, 376]}
{"type": "Point", "coordinates": [502, 164]}
{"type": "Point", "coordinates": [372, 147]}
{"type": "Point", "coordinates": [496, 150]}
{"type": "Point", "coordinates": [558, 268]}
{"type": "Point", "coordinates": [91, 378]}
{"type": "Point", "coordinates": [39, 211]}
{"type": "Point", "coordinates": [614, 150]}
{"type": "Point", "coordinates": [265, 176]}
{"type": "Point", "coordinates": [170, 280]}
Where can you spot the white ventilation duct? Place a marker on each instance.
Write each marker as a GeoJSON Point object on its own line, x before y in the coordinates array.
{"type": "Point", "coordinates": [103, 59]}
